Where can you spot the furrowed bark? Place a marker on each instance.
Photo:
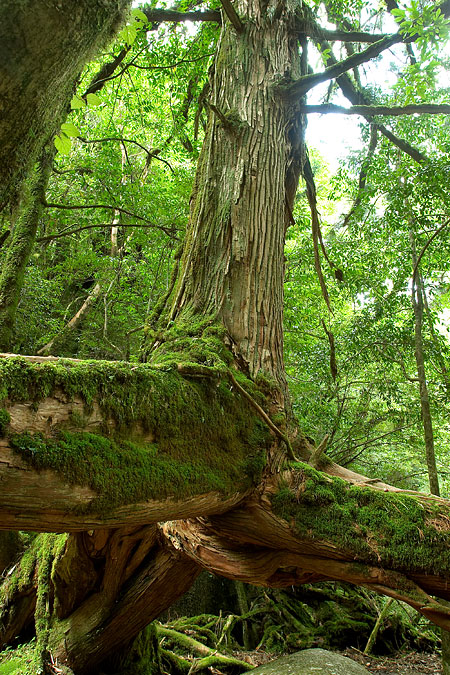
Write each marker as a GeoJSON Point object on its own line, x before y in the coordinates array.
{"type": "Point", "coordinates": [139, 581]}
{"type": "Point", "coordinates": [111, 448]}
{"type": "Point", "coordinates": [105, 587]}
{"type": "Point", "coordinates": [232, 266]}
{"type": "Point", "coordinates": [54, 41]}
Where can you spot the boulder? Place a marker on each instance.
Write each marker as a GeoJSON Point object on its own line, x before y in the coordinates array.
{"type": "Point", "coordinates": [311, 662]}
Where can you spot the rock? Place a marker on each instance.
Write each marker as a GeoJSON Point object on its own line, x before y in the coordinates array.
{"type": "Point", "coordinates": [311, 662]}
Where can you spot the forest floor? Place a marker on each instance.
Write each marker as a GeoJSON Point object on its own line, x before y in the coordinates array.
{"type": "Point", "coordinates": [409, 663]}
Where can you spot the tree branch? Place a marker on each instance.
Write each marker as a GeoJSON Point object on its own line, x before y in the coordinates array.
{"type": "Point", "coordinates": [67, 231]}
{"type": "Point", "coordinates": [105, 73]}
{"type": "Point", "coordinates": [364, 110]}
{"type": "Point", "coordinates": [264, 416]}
{"type": "Point", "coordinates": [232, 15]}
{"type": "Point", "coordinates": [80, 207]}
{"type": "Point", "coordinates": [420, 256]}
{"type": "Point", "coordinates": [301, 86]}
{"type": "Point", "coordinates": [358, 97]}
{"type": "Point", "coordinates": [152, 154]}
{"type": "Point", "coordinates": [352, 36]}
{"type": "Point", "coordinates": [340, 35]}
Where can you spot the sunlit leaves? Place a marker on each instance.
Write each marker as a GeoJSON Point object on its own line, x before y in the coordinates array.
{"type": "Point", "coordinates": [70, 129]}
{"type": "Point", "coordinates": [93, 100]}
{"type": "Point", "coordinates": [129, 32]}
{"type": "Point", "coordinates": [77, 103]}
{"type": "Point", "coordinates": [63, 144]}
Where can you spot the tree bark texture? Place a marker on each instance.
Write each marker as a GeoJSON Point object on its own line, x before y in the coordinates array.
{"type": "Point", "coordinates": [107, 450]}
{"type": "Point", "coordinates": [232, 266]}
{"type": "Point", "coordinates": [21, 246]}
{"type": "Point", "coordinates": [43, 47]}
{"type": "Point", "coordinates": [117, 572]}
{"type": "Point", "coordinates": [417, 292]}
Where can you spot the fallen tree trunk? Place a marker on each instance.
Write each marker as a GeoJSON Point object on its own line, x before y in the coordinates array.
{"type": "Point", "coordinates": [103, 444]}
{"type": "Point", "coordinates": [91, 446]}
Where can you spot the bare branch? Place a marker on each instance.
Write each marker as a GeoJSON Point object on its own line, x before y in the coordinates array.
{"type": "Point", "coordinates": [301, 86]}
{"type": "Point", "coordinates": [172, 65]}
{"type": "Point", "coordinates": [67, 231]}
{"type": "Point", "coordinates": [392, 111]}
{"type": "Point", "coordinates": [110, 207]}
{"type": "Point", "coordinates": [340, 35]}
{"type": "Point", "coordinates": [152, 154]}
{"type": "Point", "coordinates": [105, 73]}
{"type": "Point", "coordinates": [360, 97]}
{"type": "Point", "coordinates": [420, 256]}
{"type": "Point", "coordinates": [315, 224]}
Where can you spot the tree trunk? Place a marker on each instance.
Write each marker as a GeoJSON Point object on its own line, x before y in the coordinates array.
{"type": "Point", "coordinates": [44, 46]}
{"type": "Point", "coordinates": [106, 449]}
{"type": "Point", "coordinates": [418, 298]}
{"type": "Point", "coordinates": [21, 246]}
{"type": "Point", "coordinates": [286, 529]}
{"type": "Point", "coordinates": [417, 292]}
{"type": "Point", "coordinates": [232, 265]}
{"type": "Point", "coordinates": [59, 341]}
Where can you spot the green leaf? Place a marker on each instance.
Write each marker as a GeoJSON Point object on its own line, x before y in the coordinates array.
{"type": "Point", "coordinates": [70, 129]}
{"type": "Point", "coordinates": [93, 100]}
{"type": "Point", "coordinates": [128, 34]}
{"type": "Point", "coordinates": [77, 103]}
{"type": "Point", "coordinates": [63, 144]}
{"type": "Point", "coordinates": [138, 15]}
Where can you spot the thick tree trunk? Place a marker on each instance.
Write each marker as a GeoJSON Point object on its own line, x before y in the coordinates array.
{"type": "Point", "coordinates": [232, 266]}
{"type": "Point", "coordinates": [43, 47]}
{"type": "Point", "coordinates": [21, 246]}
{"type": "Point", "coordinates": [107, 450]}
{"type": "Point", "coordinates": [289, 528]}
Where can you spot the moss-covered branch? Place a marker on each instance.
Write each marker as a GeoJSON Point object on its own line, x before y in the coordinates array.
{"type": "Point", "coordinates": [124, 434]}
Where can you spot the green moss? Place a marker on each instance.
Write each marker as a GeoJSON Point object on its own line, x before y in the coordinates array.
{"type": "Point", "coordinates": [388, 528]}
{"type": "Point", "coordinates": [18, 661]}
{"type": "Point", "coordinates": [203, 435]}
{"type": "Point", "coordinates": [141, 657]}
{"type": "Point", "coordinates": [5, 419]}
{"type": "Point", "coordinates": [50, 548]}
{"type": "Point", "coordinates": [200, 434]}
{"type": "Point", "coordinates": [35, 568]}
{"type": "Point", "coordinates": [193, 340]}
{"type": "Point", "coordinates": [122, 471]}
{"type": "Point", "coordinates": [18, 579]}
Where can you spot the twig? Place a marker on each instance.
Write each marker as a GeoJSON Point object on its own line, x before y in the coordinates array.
{"type": "Point", "coordinates": [392, 111]}
{"type": "Point", "coordinates": [150, 153]}
{"type": "Point", "coordinates": [420, 256]}
{"type": "Point", "coordinates": [66, 232]}
{"type": "Point", "coordinates": [264, 416]}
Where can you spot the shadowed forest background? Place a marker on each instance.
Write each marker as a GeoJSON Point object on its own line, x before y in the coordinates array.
{"type": "Point", "coordinates": [101, 247]}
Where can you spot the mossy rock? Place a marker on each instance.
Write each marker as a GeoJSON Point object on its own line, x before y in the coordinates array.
{"type": "Point", "coordinates": [311, 662]}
